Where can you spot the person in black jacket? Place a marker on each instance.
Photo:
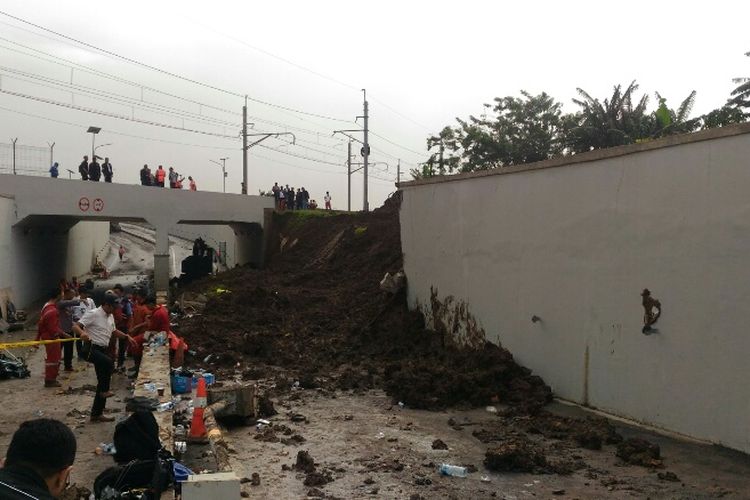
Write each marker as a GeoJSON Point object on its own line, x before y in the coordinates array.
{"type": "Point", "coordinates": [107, 170]}
{"type": "Point", "coordinates": [38, 462]}
{"type": "Point", "coordinates": [83, 169]}
{"type": "Point", "coordinates": [95, 171]}
{"type": "Point", "coordinates": [145, 176]}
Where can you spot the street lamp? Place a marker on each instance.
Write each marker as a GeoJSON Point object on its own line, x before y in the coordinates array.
{"type": "Point", "coordinates": [100, 146]}
{"type": "Point", "coordinates": [223, 166]}
{"type": "Point", "coordinates": [93, 131]}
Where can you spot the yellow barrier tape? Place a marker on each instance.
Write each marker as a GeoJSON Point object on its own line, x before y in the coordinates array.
{"type": "Point", "coordinates": [29, 343]}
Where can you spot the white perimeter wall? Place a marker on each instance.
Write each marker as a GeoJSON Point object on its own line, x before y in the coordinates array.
{"type": "Point", "coordinates": [575, 245]}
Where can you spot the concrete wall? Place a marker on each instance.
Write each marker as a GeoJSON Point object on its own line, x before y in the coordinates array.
{"type": "Point", "coordinates": [34, 257]}
{"type": "Point", "coordinates": [575, 245]}
{"type": "Point", "coordinates": [85, 241]}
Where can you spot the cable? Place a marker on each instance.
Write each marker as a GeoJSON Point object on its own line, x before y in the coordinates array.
{"type": "Point", "coordinates": [169, 73]}
{"type": "Point", "coordinates": [113, 98]}
{"type": "Point", "coordinates": [113, 115]}
{"type": "Point", "coordinates": [109, 76]}
{"type": "Point", "coordinates": [420, 153]}
{"type": "Point", "coordinates": [31, 115]}
{"type": "Point", "coordinates": [299, 156]}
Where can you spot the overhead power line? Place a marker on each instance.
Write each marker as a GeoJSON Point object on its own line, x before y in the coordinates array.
{"type": "Point", "coordinates": [113, 115]}
{"type": "Point", "coordinates": [111, 97]}
{"type": "Point", "coordinates": [166, 72]}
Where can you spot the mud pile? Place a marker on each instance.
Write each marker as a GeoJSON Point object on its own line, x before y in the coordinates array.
{"type": "Point", "coordinates": [316, 315]}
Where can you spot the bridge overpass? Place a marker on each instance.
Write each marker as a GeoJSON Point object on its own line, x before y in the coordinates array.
{"type": "Point", "coordinates": [40, 234]}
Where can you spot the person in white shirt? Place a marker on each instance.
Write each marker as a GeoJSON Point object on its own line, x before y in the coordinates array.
{"type": "Point", "coordinates": [95, 329]}
{"type": "Point", "coordinates": [327, 199]}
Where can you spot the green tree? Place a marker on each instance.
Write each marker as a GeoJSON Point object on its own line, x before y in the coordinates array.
{"type": "Point", "coordinates": [518, 130]}
{"type": "Point", "coordinates": [726, 115]}
{"type": "Point", "coordinates": [666, 121]}
{"type": "Point", "coordinates": [614, 122]}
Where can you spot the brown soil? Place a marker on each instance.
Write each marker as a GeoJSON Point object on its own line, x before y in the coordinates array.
{"type": "Point", "coordinates": [317, 312]}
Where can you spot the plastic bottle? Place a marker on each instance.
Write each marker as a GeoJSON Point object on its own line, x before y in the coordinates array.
{"type": "Point", "coordinates": [452, 470]}
{"type": "Point", "coordinates": [169, 405]}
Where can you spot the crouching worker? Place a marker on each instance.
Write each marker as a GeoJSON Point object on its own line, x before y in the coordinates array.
{"type": "Point", "coordinates": [96, 329]}
{"type": "Point", "coordinates": [38, 462]}
{"type": "Point", "coordinates": [160, 323]}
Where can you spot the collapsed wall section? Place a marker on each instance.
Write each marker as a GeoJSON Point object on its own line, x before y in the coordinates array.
{"type": "Point", "coordinates": [551, 263]}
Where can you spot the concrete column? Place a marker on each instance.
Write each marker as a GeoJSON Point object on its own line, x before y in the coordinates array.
{"type": "Point", "coordinates": [161, 257]}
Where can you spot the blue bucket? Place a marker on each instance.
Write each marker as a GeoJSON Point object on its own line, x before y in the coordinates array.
{"type": "Point", "coordinates": [181, 385]}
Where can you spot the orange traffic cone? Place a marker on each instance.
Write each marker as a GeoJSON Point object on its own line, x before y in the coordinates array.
{"type": "Point", "coordinates": [197, 427]}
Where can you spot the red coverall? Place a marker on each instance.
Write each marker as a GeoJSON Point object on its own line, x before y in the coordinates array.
{"type": "Point", "coordinates": [160, 323]}
{"type": "Point", "coordinates": [49, 329]}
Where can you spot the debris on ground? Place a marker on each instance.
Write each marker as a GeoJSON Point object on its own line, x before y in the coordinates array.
{"type": "Point", "coordinates": [438, 444]}
{"type": "Point", "coordinates": [636, 451]}
{"type": "Point", "coordinates": [515, 455]}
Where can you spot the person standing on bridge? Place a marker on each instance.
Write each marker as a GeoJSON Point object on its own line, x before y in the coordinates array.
{"type": "Point", "coordinates": [327, 199]}
{"type": "Point", "coordinates": [160, 175]}
{"type": "Point", "coordinates": [95, 171]}
{"type": "Point", "coordinates": [96, 329]}
{"type": "Point", "coordinates": [193, 187]}
{"type": "Point", "coordinates": [54, 170]}
{"type": "Point", "coordinates": [173, 175]}
{"type": "Point", "coordinates": [145, 176]}
{"type": "Point", "coordinates": [107, 170]}
{"type": "Point", "coordinates": [83, 169]}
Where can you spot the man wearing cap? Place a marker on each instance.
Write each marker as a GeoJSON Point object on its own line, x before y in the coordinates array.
{"type": "Point", "coordinates": [38, 462]}
{"type": "Point", "coordinates": [96, 329]}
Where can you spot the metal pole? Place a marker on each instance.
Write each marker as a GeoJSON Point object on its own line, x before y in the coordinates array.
{"type": "Point", "coordinates": [93, 152]}
{"type": "Point", "coordinates": [398, 172]}
{"type": "Point", "coordinates": [366, 149]}
{"type": "Point", "coordinates": [349, 177]}
{"type": "Point", "coordinates": [224, 173]}
{"type": "Point", "coordinates": [14, 155]}
{"type": "Point", "coordinates": [442, 147]}
{"type": "Point", "coordinates": [244, 149]}
{"type": "Point", "coordinates": [51, 153]}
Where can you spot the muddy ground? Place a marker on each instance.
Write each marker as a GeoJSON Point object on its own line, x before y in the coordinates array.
{"type": "Point", "coordinates": [338, 355]}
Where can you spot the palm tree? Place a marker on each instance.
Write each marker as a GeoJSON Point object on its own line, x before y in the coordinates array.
{"type": "Point", "coordinates": [614, 122]}
{"type": "Point", "coordinates": [668, 121]}
{"type": "Point", "coordinates": [741, 95]}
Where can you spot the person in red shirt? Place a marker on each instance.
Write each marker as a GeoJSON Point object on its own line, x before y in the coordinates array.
{"type": "Point", "coordinates": [139, 322]}
{"type": "Point", "coordinates": [48, 328]}
{"type": "Point", "coordinates": [160, 323]}
{"type": "Point", "coordinates": [161, 174]}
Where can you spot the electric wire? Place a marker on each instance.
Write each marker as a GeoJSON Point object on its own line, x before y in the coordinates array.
{"type": "Point", "coordinates": [113, 115]}
{"type": "Point", "coordinates": [169, 73]}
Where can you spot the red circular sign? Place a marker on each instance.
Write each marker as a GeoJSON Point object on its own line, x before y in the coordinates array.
{"type": "Point", "coordinates": [98, 205]}
{"type": "Point", "coordinates": [83, 204]}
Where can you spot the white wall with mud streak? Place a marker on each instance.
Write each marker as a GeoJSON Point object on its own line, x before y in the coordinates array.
{"type": "Point", "coordinates": [575, 244]}
{"type": "Point", "coordinates": [85, 241]}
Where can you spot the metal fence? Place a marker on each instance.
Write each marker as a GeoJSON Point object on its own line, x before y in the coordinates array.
{"type": "Point", "coordinates": [24, 160]}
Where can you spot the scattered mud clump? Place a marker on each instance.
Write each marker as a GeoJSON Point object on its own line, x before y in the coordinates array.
{"type": "Point", "coordinates": [589, 433]}
{"type": "Point", "coordinates": [317, 479]}
{"type": "Point", "coordinates": [304, 463]}
{"type": "Point", "coordinates": [668, 476]}
{"type": "Point", "coordinates": [640, 452]}
{"type": "Point", "coordinates": [515, 455]}
{"type": "Point", "coordinates": [438, 444]}
{"type": "Point", "coordinates": [255, 481]}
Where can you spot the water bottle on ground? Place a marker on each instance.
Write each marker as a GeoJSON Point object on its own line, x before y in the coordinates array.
{"type": "Point", "coordinates": [452, 470]}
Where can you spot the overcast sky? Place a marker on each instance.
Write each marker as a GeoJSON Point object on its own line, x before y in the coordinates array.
{"type": "Point", "coordinates": [422, 63]}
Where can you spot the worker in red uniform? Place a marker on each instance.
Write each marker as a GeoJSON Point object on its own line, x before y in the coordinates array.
{"type": "Point", "coordinates": [160, 323]}
{"type": "Point", "coordinates": [139, 322]}
{"type": "Point", "coordinates": [48, 328]}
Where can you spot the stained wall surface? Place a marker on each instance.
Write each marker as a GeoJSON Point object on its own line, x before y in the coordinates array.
{"type": "Point", "coordinates": [574, 243]}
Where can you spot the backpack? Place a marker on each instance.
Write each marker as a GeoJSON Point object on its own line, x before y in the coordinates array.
{"type": "Point", "coordinates": [137, 437]}
{"type": "Point", "coordinates": [138, 479]}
